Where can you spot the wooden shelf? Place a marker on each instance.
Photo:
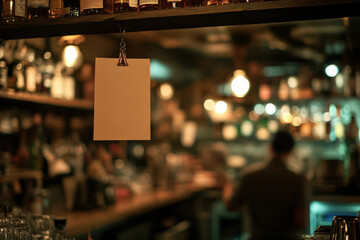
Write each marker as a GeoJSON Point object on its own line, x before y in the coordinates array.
{"type": "Point", "coordinates": [47, 100]}
{"type": "Point", "coordinates": [191, 17]}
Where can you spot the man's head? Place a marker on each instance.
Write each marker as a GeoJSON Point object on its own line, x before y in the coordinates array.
{"type": "Point", "coordinates": [283, 143]}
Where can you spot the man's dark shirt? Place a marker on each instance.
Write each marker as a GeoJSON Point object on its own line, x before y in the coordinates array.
{"type": "Point", "coordinates": [272, 195]}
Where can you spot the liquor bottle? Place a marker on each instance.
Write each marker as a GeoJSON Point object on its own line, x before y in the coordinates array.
{"type": "Point", "coordinates": [47, 72]}
{"type": "Point", "coordinates": [168, 4]}
{"type": "Point", "coordinates": [3, 75]}
{"type": "Point", "coordinates": [72, 8]}
{"type": "Point", "coordinates": [133, 5]}
{"type": "Point", "coordinates": [13, 10]}
{"type": "Point", "coordinates": [20, 78]}
{"type": "Point", "coordinates": [121, 6]}
{"type": "Point", "coordinates": [149, 5]}
{"type": "Point", "coordinates": [37, 9]}
{"type": "Point", "coordinates": [56, 8]}
{"type": "Point", "coordinates": [30, 76]}
{"type": "Point", "coordinates": [89, 7]}
{"type": "Point", "coordinates": [57, 83]}
{"type": "Point", "coordinates": [69, 88]}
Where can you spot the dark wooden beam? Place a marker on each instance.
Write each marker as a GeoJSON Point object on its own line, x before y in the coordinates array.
{"type": "Point", "coordinates": [192, 17]}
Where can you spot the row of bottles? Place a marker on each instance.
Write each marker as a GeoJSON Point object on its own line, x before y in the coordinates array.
{"type": "Point", "coordinates": [24, 70]}
{"type": "Point", "coordinates": [14, 10]}
{"type": "Point", "coordinates": [345, 83]}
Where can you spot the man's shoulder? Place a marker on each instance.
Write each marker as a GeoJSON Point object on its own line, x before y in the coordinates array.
{"type": "Point", "coordinates": [253, 169]}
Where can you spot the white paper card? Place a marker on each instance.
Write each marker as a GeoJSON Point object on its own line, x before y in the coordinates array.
{"type": "Point", "coordinates": [122, 100]}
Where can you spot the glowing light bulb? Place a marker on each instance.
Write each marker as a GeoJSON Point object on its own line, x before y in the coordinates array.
{"type": "Point", "coordinates": [240, 85]}
{"type": "Point", "coordinates": [72, 56]}
{"type": "Point", "coordinates": [166, 91]}
{"type": "Point", "coordinates": [331, 70]}
{"type": "Point", "coordinates": [209, 104]}
{"type": "Point", "coordinates": [220, 107]}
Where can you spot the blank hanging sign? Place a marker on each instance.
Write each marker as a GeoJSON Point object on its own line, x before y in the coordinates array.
{"type": "Point", "coordinates": [122, 100]}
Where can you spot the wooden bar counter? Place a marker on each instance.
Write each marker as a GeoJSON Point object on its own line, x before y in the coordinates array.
{"type": "Point", "coordinates": [80, 223]}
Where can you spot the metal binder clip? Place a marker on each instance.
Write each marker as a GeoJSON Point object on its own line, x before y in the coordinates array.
{"type": "Point", "coordinates": [122, 55]}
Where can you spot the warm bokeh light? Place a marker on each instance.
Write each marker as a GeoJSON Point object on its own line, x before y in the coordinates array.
{"type": "Point", "coordinates": [72, 56]}
{"type": "Point", "coordinates": [264, 92]}
{"type": "Point", "coordinates": [253, 116]}
{"type": "Point", "coordinates": [247, 128]}
{"type": "Point", "coordinates": [220, 107]}
{"type": "Point", "coordinates": [331, 70]}
{"type": "Point", "coordinates": [138, 151]}
{"type": "Point", "coordinates": [293, 82]}
{"type": "Point", "coordinates": [285, 108]}
{"type": "Point", "coordinates": [270, 109]}
{"type": "Point", "coordinates": [273, 126]}
{"type": "Point", "coordinates": [339, 81]}
{"type": "Point", "coordinates": [239, 84]}
{"type": "Point", "coordinates": [327, 117]}
{"type": "Point", "coordinates": [286, 117]}
{"type": "Point", "coordinates": [229, 132]}
{"type": "Point", "coordinates": [319, 131]}
{"type": "Point", "coordinates": [209, 104]}
{"type": "Point", "coordinates": [188, 135]}
{"type": "Point", "coordinates": [166, 91]}
{"type": "Point", "coordinates": [236, 161]}
{"type": "Point", "coordinates": [262, 133]}
{"type": "Point", "coordinates": [317, 117]}
{"type": "Point", "coordinates": [296, 121]}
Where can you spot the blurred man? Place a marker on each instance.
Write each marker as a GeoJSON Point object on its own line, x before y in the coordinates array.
{"type": "Point", "coordinates": [274, 197]}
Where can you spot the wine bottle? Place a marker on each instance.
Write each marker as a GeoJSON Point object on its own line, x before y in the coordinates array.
{"type": "Point", "coordinates": [89, 7]}
{"type": "Point", "coordinates": [37, 9]}
{"type": "Point", "coordinates": [14, 10]}
{"type": "Point", "coordinates": [121, 6]}
{"type": "Point", "coordinates": [56, 8]}
{"type": "Point", "coordinates": [149, 5]}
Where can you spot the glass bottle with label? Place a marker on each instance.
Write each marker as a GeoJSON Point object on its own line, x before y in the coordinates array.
{"type": "Point", "coordinates": [14, 10]}
{"type": "Point", "coordinates": [125, 6]}
{"type": "Point", "coordinates": [56, 8]}
{"type": "Point", "coordinates": [72, 8]}
{"type": "Point", "coordinates": [133, 5]}
{"type": "Point", "coordinates": [149, 5]}
{"type": "Point", "coordinates": [89, 7]}
{"type": "Point", "coordinates": [168, 4]}
{"type": "Point", "coordinates": [37, 9]}
{"type": "Point", "coordinates": [121, 6]}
